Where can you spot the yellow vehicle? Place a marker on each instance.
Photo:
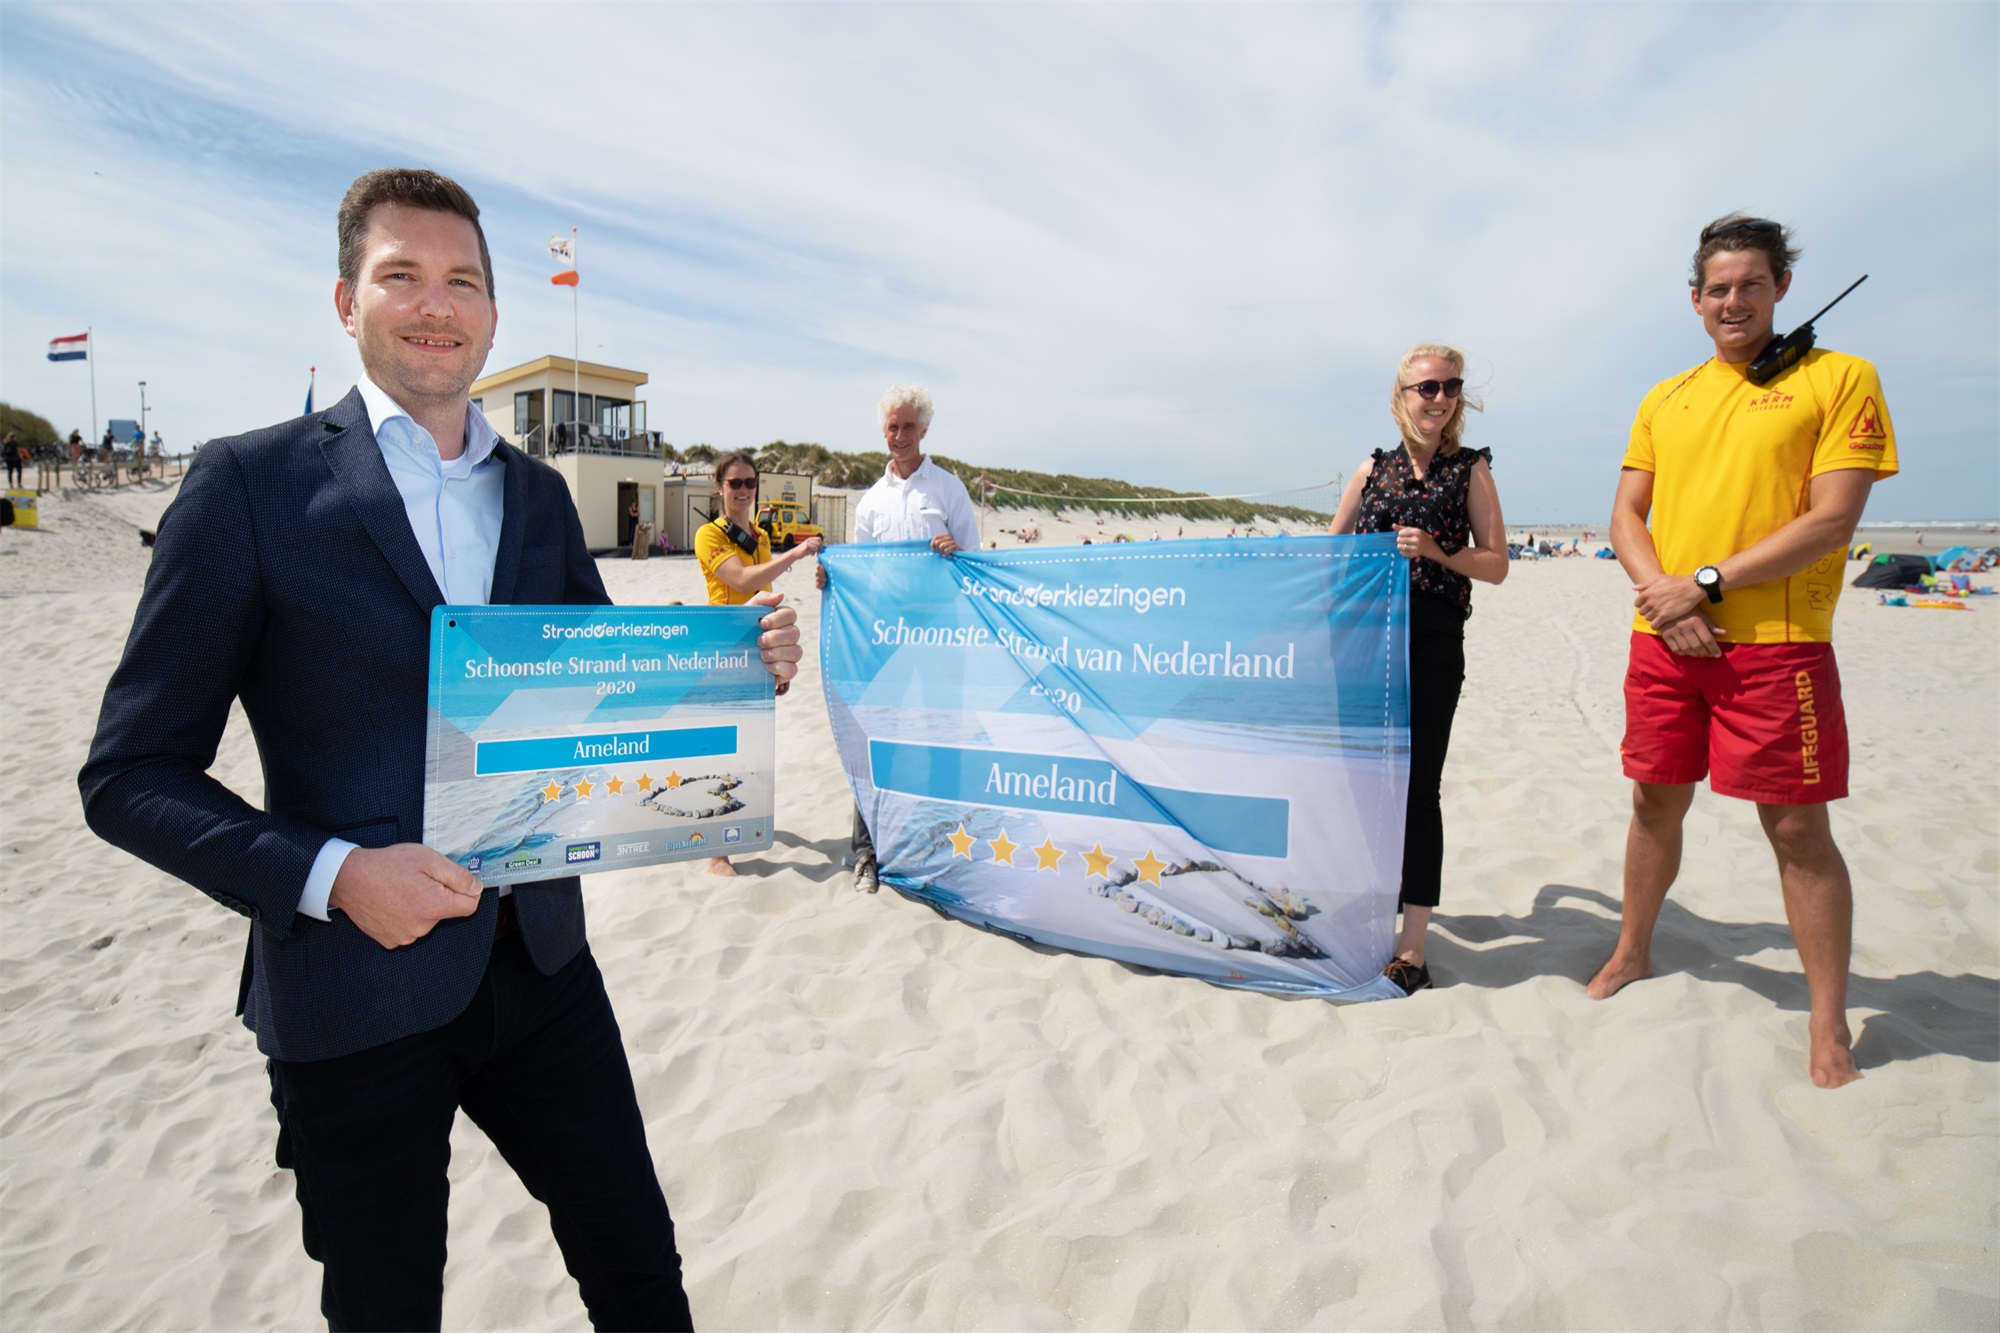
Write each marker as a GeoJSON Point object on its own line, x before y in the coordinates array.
{"type": "Point", "coordinates": [786, 524]}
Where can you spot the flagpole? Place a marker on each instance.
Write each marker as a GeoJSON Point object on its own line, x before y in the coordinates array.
{"type": "Point", "coordinates": [90, 346]}
{"type": "Point", "coordinates": [575, 347]}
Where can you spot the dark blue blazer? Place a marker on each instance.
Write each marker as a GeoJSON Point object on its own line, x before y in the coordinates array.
{"type": "Point", "coordinates": [285, 575]}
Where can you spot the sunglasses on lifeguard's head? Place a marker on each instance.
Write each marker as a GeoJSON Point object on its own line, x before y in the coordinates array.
{"type": "Point", "coordinates": [1430, 389]}
{"type": "Point", "coordinates": [1715, 229]}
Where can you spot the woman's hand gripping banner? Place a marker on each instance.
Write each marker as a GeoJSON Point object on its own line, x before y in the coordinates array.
{"type": "Point", "coordinates": [1190, 756]}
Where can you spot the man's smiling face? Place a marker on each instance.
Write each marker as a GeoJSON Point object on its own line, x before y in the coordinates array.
{"type": "Point", "coordinates": [1738, 301]}
{"type": "Point", "coordinates": [419, 308]}
{"type": "Point", "coordinates": [903, 430]}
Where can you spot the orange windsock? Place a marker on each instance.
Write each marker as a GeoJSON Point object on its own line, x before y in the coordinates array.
{"type": "Point", "coordinates": [566, 278]}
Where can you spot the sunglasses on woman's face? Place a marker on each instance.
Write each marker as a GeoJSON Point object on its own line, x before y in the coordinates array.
{"type": "Point", "coordinates": [750, 483]}
{"type": "Point", "coordinates": [1429, 389]}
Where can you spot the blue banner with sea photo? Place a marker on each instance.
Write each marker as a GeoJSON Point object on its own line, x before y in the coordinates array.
{"type": "Point", "coordinates": [1188, 755]}
{"type": "Point", "coordinates": [574, 739]}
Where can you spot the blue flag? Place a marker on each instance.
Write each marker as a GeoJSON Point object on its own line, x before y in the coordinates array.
{"type": "Point", "coordinates": [1191, 756]}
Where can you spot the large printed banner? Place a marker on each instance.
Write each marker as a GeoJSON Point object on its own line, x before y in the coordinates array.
{"type": "Point", "coordinates": [565, 740]}
{"type": "Point", "coordinates": [1188, 755]}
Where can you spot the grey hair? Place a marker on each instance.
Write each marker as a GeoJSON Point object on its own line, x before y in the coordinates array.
{"type": "Point", "coordinates": [905, 395]}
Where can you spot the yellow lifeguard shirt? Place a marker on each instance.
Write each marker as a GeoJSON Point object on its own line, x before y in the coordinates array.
{"type": "Point", "coordinates": [1733, 462]}
{"type": "Point", "coordinates": [711, 547]}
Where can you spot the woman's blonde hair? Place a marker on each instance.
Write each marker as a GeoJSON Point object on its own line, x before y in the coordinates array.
{"type": "Point", "coordinates": [1454, 429]}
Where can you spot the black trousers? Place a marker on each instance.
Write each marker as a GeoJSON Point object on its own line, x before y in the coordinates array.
{"type": "Point", "coordinates": [1437, 672]}
{"type": "Point", "coordinates": [539, 1065]}
{"type": "Point", "coordinates": [863, 842]}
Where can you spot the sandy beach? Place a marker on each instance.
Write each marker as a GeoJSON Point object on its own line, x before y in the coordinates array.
{"type": "Point", "coordinates": [864, 1115]}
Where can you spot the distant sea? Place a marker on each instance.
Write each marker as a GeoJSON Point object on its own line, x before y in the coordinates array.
{"type": "Point", "coordinates": [1889, 536]}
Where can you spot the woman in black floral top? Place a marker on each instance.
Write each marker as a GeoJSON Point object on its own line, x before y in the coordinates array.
{"type": "Point", "coordinates": [1440, 501]}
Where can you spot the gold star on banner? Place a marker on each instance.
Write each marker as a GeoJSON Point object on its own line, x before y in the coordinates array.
{"type": "Point", "coordinates": [961, 843]}
{"type": "Point", "coordinates": [552, 792]}
{"type": "Point", "coordinates": [1150, 867]}
{"type": "Point", "coordinates": [1003, 850]}
{"type": "Point", "coordinates": [675, 779]}
{"type": "Point", "coordinates": [645, 782]}
{"type": "Point", "coordinates": [614, 785]}
{"type": "Point", "coordinates": [1096, 862]}
{"type": "Point", "coordinates": [583, 786]}
{"type": "Point", "coordinates": [1048, 856]}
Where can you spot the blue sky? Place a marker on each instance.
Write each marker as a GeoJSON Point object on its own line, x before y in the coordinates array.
{"type": "Point", "coordinates": [1179, 245]}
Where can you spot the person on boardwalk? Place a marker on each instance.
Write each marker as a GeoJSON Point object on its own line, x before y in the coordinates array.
{"type": "Point", "coordinates": [296, 573]}
{"type": "Point", "coordinates": [915, 500]}
{"type": "Point", "coordinates": [735, 554]}
{"type": "Point", "coordinates": [1733, 514]}
{"type": "Point", "coordinates": [1438, 497]}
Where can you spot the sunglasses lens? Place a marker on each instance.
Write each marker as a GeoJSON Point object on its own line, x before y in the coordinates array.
{"type": "Point", "coordinates": [1451, 388]}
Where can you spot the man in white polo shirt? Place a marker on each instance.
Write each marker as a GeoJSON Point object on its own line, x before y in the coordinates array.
{"type": "Point", "coordinates": [915, 501]}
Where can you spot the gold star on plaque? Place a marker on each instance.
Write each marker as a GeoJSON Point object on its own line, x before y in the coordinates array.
{"type": "Point", "coordinates": [645, 782]}
{"type": "Point", "coordinates": [1048, 856]}
{"type": "Point", "coordinates": [675, 779]}
{"type": "Point", "coordinates": [1096, 862]}
{"type": "Point", "coordinates": [961, 843]}
{"type": "Point", "coordinates": [1003, 850]}
{"type": "Point", "coordinates": [583, 786]}
{"type": "Point", "coordinates": [552, 792]}
{"type": "Point", "coordinates": [614, 785]}
{"type": "Point", "coordinates": [1150, 867]}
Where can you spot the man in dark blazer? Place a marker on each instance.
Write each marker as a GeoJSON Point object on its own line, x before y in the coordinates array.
{"type": "Point", "coordinates": [296, 572]}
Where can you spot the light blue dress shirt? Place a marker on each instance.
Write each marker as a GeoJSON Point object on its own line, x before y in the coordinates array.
{"type": "Point", "coordinates": [455, 508]}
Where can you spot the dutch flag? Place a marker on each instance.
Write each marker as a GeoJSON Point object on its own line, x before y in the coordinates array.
{"type": "Point", "coordinates": [75, 348]}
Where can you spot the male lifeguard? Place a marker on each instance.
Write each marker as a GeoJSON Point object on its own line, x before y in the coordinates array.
{"type": "Point", "coordinates": [1733, 517]}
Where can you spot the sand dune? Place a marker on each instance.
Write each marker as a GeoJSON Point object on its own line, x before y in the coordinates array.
{"type": "Point", "coordinates": [867, 1116]}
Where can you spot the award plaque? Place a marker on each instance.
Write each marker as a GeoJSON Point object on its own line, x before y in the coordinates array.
{"type": "Point", "coordinates": [565, 740]}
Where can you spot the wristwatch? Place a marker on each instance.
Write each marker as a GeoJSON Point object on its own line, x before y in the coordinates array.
{"type": "Point", "coordinates": [1709, 579]}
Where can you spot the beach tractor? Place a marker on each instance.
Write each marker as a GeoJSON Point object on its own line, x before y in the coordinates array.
{"type": "Point", "coordinates": [786, 524]}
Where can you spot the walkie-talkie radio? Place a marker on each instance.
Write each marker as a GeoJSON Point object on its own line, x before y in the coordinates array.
{"type": "Point", "coordinates": [1784, 353]}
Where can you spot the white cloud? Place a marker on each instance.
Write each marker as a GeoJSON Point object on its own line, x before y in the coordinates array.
{"type": "Point", "coordinates": [1179, 245]}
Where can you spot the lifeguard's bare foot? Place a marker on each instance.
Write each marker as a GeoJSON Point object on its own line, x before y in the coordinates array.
{"type": "Point", "coordinates": [1619, 971]}
{"type": "Point", "coordinates": [719, 865]}
{"type": "Point", "coordinates": [1831, 1057]}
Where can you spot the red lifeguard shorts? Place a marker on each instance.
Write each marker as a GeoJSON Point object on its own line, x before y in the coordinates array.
{"type": "Point", "coordinates": [1763, 720]}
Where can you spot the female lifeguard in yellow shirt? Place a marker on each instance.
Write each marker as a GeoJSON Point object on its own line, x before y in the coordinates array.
{"type": "Point", "coordinates": [735, 555]}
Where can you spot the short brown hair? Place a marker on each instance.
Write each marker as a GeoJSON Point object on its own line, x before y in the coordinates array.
{"type": "Point", "coordinates": [412, 187]}
{"type": "Point", "coordinates": [1740, 231]}
{"type": "Point", "coordinates": [730, 460]}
